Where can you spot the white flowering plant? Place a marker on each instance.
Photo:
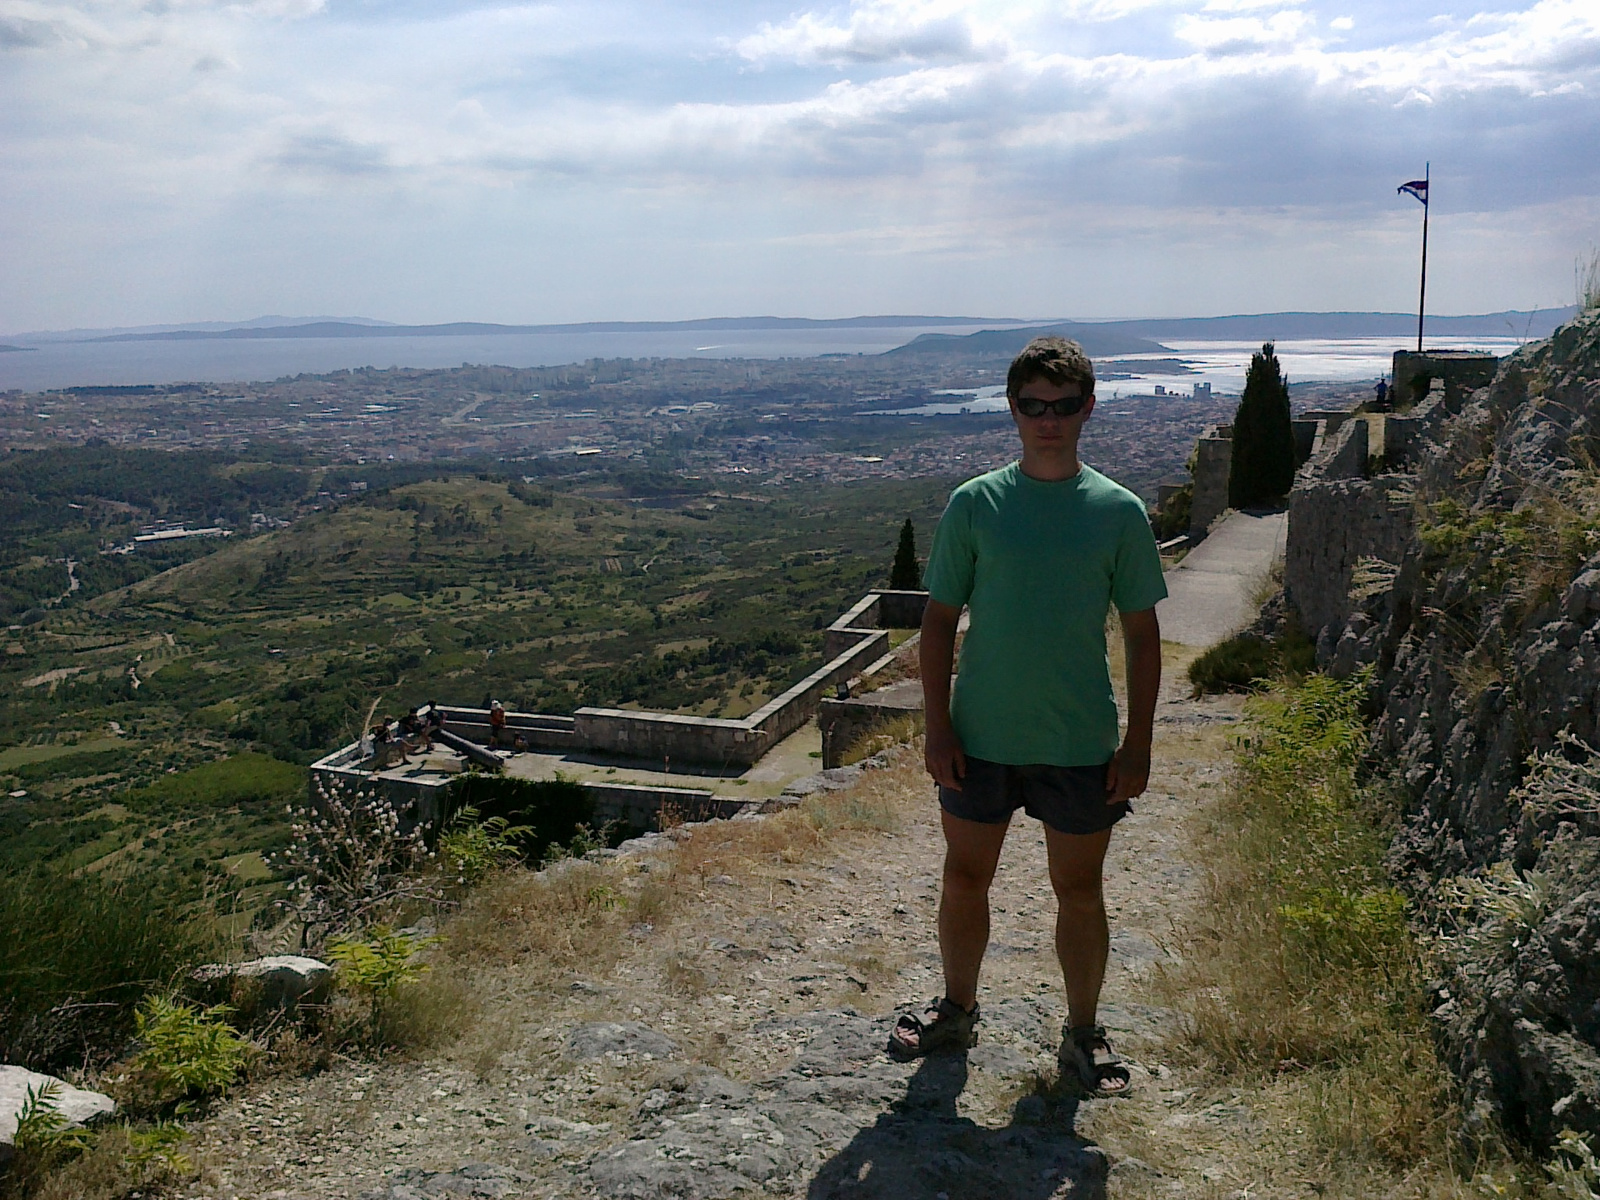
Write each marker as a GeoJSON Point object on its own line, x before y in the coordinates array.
{"type": "Point", "coordinates": [350, 865]}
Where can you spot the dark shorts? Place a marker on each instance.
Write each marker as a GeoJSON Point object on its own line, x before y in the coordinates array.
{"type": "Point", "coordinates": [1067, 799]}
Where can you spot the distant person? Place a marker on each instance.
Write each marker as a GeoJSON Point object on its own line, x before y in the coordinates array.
{"type": "Point", "coordinates": [1037, 552]}
{"type": "Point", "coordinates": [1381, 390]}
{"type": "Point", "coordinates": [497, 723]}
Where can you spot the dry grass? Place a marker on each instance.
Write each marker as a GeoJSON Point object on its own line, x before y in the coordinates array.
{"type": "Point", "coordinates": [1586, 279]}
{"type": "Point", "coordinates": [1306, 979]}
{"type": "Point", "coordinates": [883, 736]}
{"type": "Point", "coordinates": [1301, 987]}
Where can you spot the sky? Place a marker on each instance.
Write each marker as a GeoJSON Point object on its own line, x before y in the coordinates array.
{"type": "Point", "coordinates": [421, 160]}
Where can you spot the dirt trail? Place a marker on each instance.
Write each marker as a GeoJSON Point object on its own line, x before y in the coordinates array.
{"type": "Point", "coordinates": [738, 1050]}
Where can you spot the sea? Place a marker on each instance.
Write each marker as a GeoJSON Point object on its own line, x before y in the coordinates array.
{"type": "Point", "coordinates": [61, 365]}
{"type": "Point", "coordinates": [1223, 366]}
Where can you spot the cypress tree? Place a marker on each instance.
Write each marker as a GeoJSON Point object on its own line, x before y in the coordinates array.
{"type": "Point", "coordinates": [905, 575]}
{"type": "Point", "coordinates": [1262, 468]}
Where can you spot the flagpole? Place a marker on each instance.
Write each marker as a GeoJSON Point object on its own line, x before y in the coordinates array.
{"type": "Point", "coordinates": [1422, 297]}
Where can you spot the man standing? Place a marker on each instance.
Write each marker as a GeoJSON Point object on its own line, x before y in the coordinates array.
{"type": "Point", "coordinates": [1037, 551]}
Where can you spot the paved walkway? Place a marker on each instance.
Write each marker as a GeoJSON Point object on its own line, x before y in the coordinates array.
{"type": "Point", "coordinates": [1210, 591]}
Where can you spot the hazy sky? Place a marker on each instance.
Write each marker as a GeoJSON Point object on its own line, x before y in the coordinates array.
{"type": "Point", "coordinates": [422, 160]}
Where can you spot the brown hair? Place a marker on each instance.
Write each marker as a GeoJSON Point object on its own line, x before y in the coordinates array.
{"type": "Point", "coordinates": [1057, 359]}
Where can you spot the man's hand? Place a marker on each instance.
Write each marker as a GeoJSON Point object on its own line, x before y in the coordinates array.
{"type": "Point", "coordinates": [945, 759]}
{"type": "Point", "coordinates": [1128, 773]}
{"type": "Point", "coordinates": [947, 763]}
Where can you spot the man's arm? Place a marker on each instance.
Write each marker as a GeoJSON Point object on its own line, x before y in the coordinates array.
{"type": "Point", "coordinates": [937, 653]}
{"type": "Point", "coordinates": [1128, 773]}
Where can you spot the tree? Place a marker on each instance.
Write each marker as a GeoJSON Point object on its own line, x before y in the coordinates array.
{"type": "Point", "coordinates": [1262, 469]}
{"type": "Point", "coordinates": [905, 575]}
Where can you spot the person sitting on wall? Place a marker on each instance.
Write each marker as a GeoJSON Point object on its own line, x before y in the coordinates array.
{"type": "Point", "coordinates": [412, 734]}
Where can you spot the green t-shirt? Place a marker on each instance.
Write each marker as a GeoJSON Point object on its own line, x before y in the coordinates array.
{"type": "Point", "coordinates": [1038, 564]}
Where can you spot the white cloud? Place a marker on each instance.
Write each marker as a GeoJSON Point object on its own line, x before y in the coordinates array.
{"type": "Point", "coordinates": [916, 125]}
{"type": "Point", "coordinates": [877, 31]}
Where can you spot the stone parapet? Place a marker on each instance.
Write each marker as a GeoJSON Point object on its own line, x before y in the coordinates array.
{"type": "Point", "coordinates": [1462, 372]}
{"type": "Point", "coordinates": [1213, 461]}
{"type": "Point", "coordinates": [845, 722]}
{"type": "Point", "coordinates": [1334, 524]}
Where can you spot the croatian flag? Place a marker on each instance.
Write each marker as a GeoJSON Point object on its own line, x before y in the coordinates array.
{"type": "Point", "coordinates": [1417, 188]}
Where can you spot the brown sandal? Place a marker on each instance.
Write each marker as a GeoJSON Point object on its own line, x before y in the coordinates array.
{"type": "Point", "coordinates": [942, 1025]}
{"type": "Point", "coordinates": [1100, 1071]}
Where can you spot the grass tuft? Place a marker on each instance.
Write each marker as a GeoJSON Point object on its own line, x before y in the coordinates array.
{"type": "Point", "coordinates": [1247, 662]}
{"type": "Point", "coordinates": [78, 953]}
{"type": "Point", "coordinates": [1306, 975]}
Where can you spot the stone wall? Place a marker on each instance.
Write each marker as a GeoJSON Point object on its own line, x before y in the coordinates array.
{"type": "Point", "coordinates": [1338, 527]}
{"type": "Point", "coordinates": [1213, 458]}
{"type": "Point", "coordinates": [844, 722]}
{"type": "Point", "coordinates": [1462, 371]}
{"type": "Point", "coordinates": [855, 643]}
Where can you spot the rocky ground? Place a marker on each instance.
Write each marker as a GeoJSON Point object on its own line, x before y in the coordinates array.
{"type": "Point", "coordinates": [739, 1048]}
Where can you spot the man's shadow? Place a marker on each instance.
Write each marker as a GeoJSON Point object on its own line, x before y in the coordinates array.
{"type": "Point", "coordinates": [922, 1149]}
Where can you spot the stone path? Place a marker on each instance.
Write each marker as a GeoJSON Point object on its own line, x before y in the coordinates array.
{"type": "Point", "coordinates": [738, 1049]}
{"type": "Point", "coordinates": [1211, 590]}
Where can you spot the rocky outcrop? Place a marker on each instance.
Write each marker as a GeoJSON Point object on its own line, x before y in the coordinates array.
{"type": "Point", "coordinates": [1483, 632]}
{"type": "Point", "coordinates": [76, 1106]}
{"type": "Point", "coordinates": [855, 1123]}
{"type": "Point", "coordinates": [281, 981]}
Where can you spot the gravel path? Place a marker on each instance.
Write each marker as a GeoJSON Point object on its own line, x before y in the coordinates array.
{"type": "Point", "coordinates": [738, 1050]}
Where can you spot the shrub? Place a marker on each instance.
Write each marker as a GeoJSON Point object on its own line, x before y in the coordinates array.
{"type": "Point", "coordinates": [186, 1052]}
{"type": "Point", "coordinates": [78, 952]}
{"type": "Point", "coordinates": [1247, 662]}
{"type": "Point", "coordinates": [551, 810]}
{"type": "Point", "coordinates": [380, 963]}
{"type": "Point", "coordinates": [471, 848]}
{"type": "Point", "coordinates": [379, 972]}
{"type": "Point", "coordinates": [351, 865]}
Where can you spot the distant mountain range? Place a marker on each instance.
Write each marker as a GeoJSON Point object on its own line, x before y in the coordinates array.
{"type": "Point", "coordinates": [1098, 337]}
{"type": "Point", "coordinates": [353, 329]}
{"type": "Point", "coordinates": [1140, 337]}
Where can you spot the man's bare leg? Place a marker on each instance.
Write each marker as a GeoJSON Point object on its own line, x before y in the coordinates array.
{"type": "Point", "coordinates": [972, 851]}
{"type": "Point", "coordinates": [1083, 936]}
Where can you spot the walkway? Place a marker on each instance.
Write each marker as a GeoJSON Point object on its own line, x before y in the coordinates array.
{"type": "Point", "coordinates": [1212, 590]}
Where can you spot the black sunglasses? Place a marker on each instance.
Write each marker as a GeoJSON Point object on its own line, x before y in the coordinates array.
{"type": "Point", "coordinates": [1067, 406]}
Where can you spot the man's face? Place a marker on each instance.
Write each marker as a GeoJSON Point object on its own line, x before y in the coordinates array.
{"type": "Point", "coordinates": [1050, 432]}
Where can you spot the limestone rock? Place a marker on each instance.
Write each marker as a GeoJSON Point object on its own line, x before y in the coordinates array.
{"type": "Point", "coordinates": [854, 1122]}
{"type": "Point", "coordinates": [468, 1180]}
{"type": "Point", "coordinates": [78, 1106]}
{"type": "Point", "coordinates": [279, 981]}
{"type": "Point", "coordinates": [623, 1039]}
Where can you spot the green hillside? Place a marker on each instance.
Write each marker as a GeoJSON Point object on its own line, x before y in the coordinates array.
{"type": "Point", "coordinates": [278, 646]}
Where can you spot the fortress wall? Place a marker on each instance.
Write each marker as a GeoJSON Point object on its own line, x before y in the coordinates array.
{"type": "Point", "coordinates": [1305, 438]}
{"type": "Point", "coordinates": [1334, 523]}
{"type": "Point", "coordinates": [537, 730]}
{"type": "Point", "coordinates": [653, 735]}
{"type": "Point", "coordinates": [1342, 457]}
{"type": "Point", "coordinates": [1213, 458]}
{"type": "Point", "coordinates": [780, 717]}
{"type": "Point", "coordinates": [1462, 371]}
{"type": "Point", "coordinates": [844, 722]}
{"type": "Point", "coordinates": [639, 806]}
{"type": "Point", "coordinates": [901, 609]}
{"type": "Point", "coordinates": [852, 626]}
